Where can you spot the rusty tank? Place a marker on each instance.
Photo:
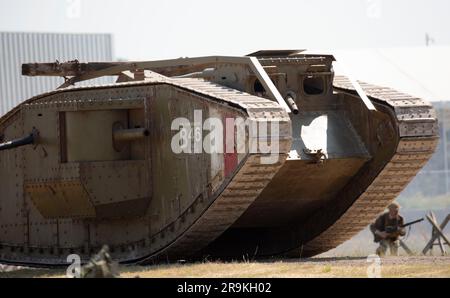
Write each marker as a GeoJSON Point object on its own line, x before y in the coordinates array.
{"type": "Point", "coordinates": [314, 159]}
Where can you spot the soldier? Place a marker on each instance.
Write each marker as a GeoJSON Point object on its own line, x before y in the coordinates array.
{"type": "Point", "coordinates": [390, 220]}
{"type": "Point", "coordinates": [100, 266]}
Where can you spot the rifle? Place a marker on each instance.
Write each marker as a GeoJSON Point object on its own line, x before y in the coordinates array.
{"type": "Point", "coordinates": [395, 229]}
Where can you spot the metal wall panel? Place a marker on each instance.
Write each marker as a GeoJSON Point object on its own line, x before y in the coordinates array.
{"type": "Point", "coordinates": [20, 47]}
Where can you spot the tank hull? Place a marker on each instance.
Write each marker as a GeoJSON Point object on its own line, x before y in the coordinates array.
{"type": "Point", "coordinates": [131, 164]}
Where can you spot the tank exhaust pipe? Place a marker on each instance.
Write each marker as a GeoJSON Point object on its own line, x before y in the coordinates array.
{"type": "Point", "coordinates": [27, 140]}
{"type": "Point", "coordinates": [291, 103]}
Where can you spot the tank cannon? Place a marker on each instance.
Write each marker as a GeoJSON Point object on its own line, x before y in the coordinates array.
{"type": "Point", "coordinates": [23, 141]}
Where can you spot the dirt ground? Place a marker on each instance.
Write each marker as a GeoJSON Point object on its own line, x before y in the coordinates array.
{"type": "Point", "coordinates": [420, 266]}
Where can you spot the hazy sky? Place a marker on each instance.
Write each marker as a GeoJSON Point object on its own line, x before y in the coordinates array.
{"type": "Point", "coordinates": [168, 29]}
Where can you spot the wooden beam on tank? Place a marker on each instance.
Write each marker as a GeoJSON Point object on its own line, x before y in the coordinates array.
{"type": "Point", "coordinates": [76, 68]}
{"type": "Point", "coordinates": [66, 69]}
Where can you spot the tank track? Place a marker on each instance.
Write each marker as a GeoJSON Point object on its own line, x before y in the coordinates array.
{"type": "Point", "coordinates": [193, 230]}
{"type": "Point", "coordinates": [418, 137]}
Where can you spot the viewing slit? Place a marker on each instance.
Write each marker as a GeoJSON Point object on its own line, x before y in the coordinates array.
{"type": "Point", "coordinates": [313, 85]}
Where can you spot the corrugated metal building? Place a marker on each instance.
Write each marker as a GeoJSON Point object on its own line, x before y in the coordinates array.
{"type": "Point", "coordinates": [20, 47]}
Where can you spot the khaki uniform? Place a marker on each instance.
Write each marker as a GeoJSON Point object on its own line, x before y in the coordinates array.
{"type": "Point", "coordinates": [393, 242]}
{"type": "Point", "coordinates": [393, 245]}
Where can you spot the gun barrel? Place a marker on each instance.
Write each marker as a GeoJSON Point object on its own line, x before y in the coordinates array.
{"type": "Point", "coordinates": [127, 135]}
{"type": "Point", "coordinates": [292, 105]}
{"type": "Point", "coordinates": [412, 222]}
{"type": "Point", "coordinates": [27, 140]}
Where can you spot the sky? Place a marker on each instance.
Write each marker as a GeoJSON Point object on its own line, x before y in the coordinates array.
{"type": "Point", "coordinates": [145, 30]}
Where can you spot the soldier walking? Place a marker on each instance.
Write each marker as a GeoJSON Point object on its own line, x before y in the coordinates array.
{"type": "Point", "coordinates": [387, 229]}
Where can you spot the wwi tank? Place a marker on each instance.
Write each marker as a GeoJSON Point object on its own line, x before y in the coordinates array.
{"type": "Point", "coordinates": [264, 155]}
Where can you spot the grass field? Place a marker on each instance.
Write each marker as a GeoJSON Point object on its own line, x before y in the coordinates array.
{"type": "Point", "coordinates": [334, 263]}
{"type": "Point", "coordinates": [314, 267]}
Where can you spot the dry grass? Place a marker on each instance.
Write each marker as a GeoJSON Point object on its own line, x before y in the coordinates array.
{"type": "Point", "coordinates": [316, 267]}
{"type": "Point", "coordinates": [286, 269]}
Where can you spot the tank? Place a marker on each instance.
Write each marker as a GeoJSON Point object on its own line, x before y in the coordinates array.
{"type": "Point", "coordinates": [263, 155]}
